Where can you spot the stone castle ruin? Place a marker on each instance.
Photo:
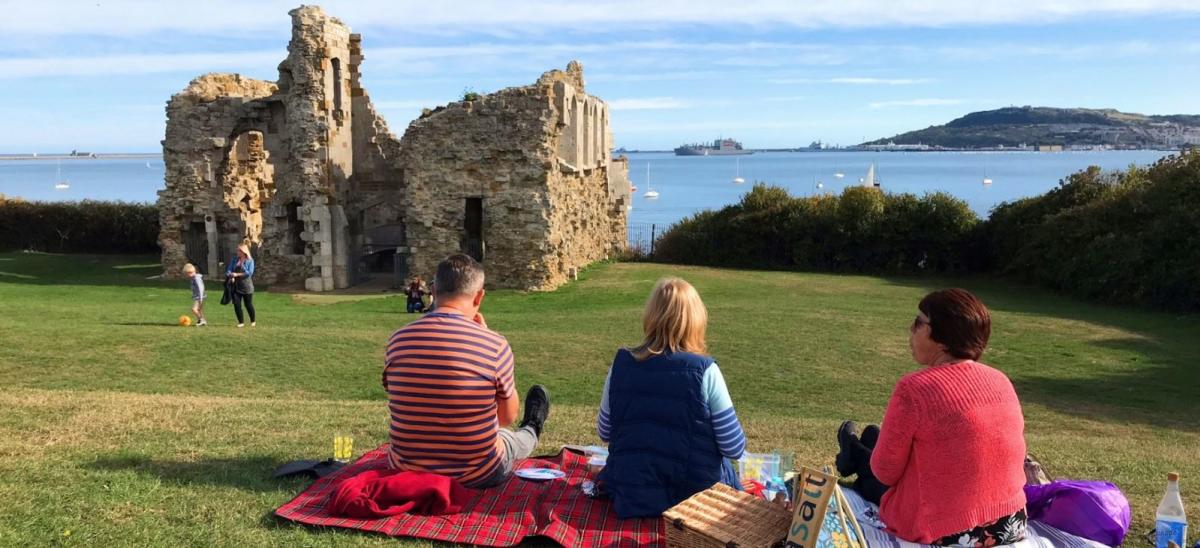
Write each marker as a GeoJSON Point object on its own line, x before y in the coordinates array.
{"type": "Point", "coordinates": [306, 171]}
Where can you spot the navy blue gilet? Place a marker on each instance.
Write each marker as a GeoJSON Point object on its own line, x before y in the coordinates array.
{"type": "Point", "coordinates": [662, 448]}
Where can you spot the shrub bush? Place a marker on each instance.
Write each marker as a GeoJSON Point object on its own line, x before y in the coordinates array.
{"type": "Point", "coordinates": [1131, 237]}
{"type": "Point", "coordinates": [80, 227]}
{"type": "Point", "coordinates": [862, 230]}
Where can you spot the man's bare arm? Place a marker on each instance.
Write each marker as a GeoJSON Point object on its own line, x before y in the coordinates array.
{"type": "Point", "coordinates": [507, 409]}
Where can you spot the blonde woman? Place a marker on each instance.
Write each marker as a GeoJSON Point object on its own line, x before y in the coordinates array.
{"type": "Point", "coordinates": [666, 412]}
{"type": "Point", "coordinates": [239, 275]}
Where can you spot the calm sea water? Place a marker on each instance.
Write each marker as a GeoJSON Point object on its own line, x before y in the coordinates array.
{"type": "Point", "coordinates": [126, 179]}
{"type": "Point", "coordinates": [686, 184]}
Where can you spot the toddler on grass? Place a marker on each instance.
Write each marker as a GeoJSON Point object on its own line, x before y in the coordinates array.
{"type": "Point", "coordinates": [189, 270]}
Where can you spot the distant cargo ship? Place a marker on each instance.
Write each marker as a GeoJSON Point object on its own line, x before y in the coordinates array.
{"type": "Point", "coordinates": [719, 147]}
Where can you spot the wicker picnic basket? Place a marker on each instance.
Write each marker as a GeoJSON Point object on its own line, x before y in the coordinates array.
{"type": "Point", "coordinates": [720, 517]}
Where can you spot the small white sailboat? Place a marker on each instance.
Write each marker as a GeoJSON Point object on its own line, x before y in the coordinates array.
{"type": "Point", "coordinates": [986, 180]}
{"type": "Point", "coordinates": [148, 165]}
{"type": "Point", "coordinates": [60, 183]}
{"type": "Point", "coordinates": [737, 175]}
{"type": "Point", "coordinates": [650, 194]}
{"type": "Point", "coordinates": [837, 173]}
{"type": "Point", "coordinates": [871, 180]}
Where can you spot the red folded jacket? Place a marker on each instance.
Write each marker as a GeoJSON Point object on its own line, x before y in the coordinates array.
{"type": "Point", "coordinates": [382, 493]}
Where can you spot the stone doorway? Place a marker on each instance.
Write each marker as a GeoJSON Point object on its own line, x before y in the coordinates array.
{"type": "Point", "coordinates": [473, 243]}
{"type": "Point", "coordinates": [195, 246]}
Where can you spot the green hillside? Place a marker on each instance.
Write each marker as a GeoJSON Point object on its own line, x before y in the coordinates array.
{"type": "Point", "coordinates": [1014, 126]}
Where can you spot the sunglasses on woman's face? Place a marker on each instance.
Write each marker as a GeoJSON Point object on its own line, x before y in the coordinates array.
{"type": "Point", "coordinates": [918, 322]}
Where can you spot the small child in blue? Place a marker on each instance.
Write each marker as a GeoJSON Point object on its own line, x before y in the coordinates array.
{"type": "Point", "coordinates": [189, 270]}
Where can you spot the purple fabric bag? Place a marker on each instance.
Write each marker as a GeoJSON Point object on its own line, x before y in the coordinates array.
{"type": "Point", "coordinates": [1094, 510]}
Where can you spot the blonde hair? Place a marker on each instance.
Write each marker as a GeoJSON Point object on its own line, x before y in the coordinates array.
{"type": "Point", "coordinates": [189, 268]}
{"type": "Point", "coordinates": [245, 249]}
{"type": "Point", "coordinates": [675, 320]}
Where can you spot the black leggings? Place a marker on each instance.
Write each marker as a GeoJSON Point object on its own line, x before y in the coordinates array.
{"type": "Point", "coordinates": [866, 484]}
{"type": "Point", "coordinates": [237, 305]}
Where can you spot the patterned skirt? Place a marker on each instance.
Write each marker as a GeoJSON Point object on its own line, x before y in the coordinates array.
{"type": "Point", "coordinates": [1006, 530]}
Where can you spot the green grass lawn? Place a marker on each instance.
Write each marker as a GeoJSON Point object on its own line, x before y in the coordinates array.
{"type": "Point", "coordinates": [118, 427]}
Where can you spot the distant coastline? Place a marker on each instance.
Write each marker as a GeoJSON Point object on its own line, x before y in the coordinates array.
{"type": "Point", "coordinates": [92, 156]}
{"type": "Point", "coordinates": [904, 149]}
{"type": "Point", "coordinates": [1049, 128]}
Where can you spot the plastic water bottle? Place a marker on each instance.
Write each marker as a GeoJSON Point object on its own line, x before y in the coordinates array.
{"type": "Point", "coordinates": [1170, 524]}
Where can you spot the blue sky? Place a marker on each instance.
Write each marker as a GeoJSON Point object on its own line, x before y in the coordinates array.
{"type": "Point", "coordinates": [96, 75]}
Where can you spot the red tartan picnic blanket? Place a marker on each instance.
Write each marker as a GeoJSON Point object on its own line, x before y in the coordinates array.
{"type": "Point", "coordinates": [500, 516]}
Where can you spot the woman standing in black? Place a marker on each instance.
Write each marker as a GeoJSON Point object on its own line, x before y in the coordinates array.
{"type": "Point", "coordinates": [239, 275]}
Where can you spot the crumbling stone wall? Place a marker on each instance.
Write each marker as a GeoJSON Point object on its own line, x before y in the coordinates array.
{"type": "Point", "coordinates": [248, 182]}
{"type": "Point", "coordinates": [590, 195]}
{"type": "Point", "coordinates": [319, 123]}
{"type": "Point", "coordinates": [544, 215]}
{"type": "Point", "coordinates": [204, 119]}
{"type": "Point", "coordinates": [308, 173]}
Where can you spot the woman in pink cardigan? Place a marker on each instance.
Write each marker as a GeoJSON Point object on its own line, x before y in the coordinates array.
{"type": "Point", "coordinates": [947, 466]}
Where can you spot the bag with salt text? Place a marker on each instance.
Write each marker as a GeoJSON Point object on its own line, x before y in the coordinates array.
{"type": "Point", "coordinates": [822, 517]}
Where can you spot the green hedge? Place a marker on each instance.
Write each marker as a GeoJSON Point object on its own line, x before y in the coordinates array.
{"type": "Point", "coordinates": [1129, 238]}
{"type": "Point", "coordinates": [862, 230]}
{"type": "Point", "coordinates": [80, 227]}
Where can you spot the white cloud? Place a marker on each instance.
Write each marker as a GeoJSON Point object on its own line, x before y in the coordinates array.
{"type": "Point", "coordinates": [127, 17]}
{"type": "Point", "coordinates": [932, 102]}
{"type": "Point", "coordinates": [140, 64]}
{"type": "Point", "coordinates": [408, 61]}
{"type": "Point", "coordinates": [647, 103]}
{"type": "Point", "coordinates": [786, 99]}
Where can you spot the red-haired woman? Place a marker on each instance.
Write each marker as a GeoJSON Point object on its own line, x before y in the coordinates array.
{"type": "Point", "coordinates": [947, 466]}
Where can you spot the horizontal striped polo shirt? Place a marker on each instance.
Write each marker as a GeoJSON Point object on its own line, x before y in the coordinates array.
{"type": "Point", "coordinates": [443, 375]}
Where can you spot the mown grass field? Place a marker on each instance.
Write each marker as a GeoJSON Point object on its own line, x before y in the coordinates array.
{"type": "Point", "coordinates": [118, 427]}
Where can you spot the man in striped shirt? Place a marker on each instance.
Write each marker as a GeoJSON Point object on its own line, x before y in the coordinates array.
{"type": "Point", "coordinates": [450, 388]}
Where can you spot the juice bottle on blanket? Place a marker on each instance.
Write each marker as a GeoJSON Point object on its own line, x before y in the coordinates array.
{"type": "Point", "coordinates": [1170, 524]}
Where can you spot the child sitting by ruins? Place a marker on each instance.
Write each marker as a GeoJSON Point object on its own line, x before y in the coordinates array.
{"type": "Point", "coordinates": [416, 292]}
{"type": "Point", "coordinates": [197, 279]}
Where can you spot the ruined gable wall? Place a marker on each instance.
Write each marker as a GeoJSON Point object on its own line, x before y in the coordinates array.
{"type": "Point", "coordinates": [202, 122]}
{"type": "Point", "coordinates": [539, 157]}
{"type": "Point", "coordinates": [494, 148]}
{"type": "Point", "coordinates": [589, 193]}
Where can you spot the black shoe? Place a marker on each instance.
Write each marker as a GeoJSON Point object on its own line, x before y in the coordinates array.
{"type": "Point", "coordinates": [537, 408]}
{"type": "Point", "coordinates": [846, 461]}
{"type": "Point", "coordinates": [870, 436]}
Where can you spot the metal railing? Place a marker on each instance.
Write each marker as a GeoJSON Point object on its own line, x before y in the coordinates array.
{"type": "Point", "coordinates": [643, 237]}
